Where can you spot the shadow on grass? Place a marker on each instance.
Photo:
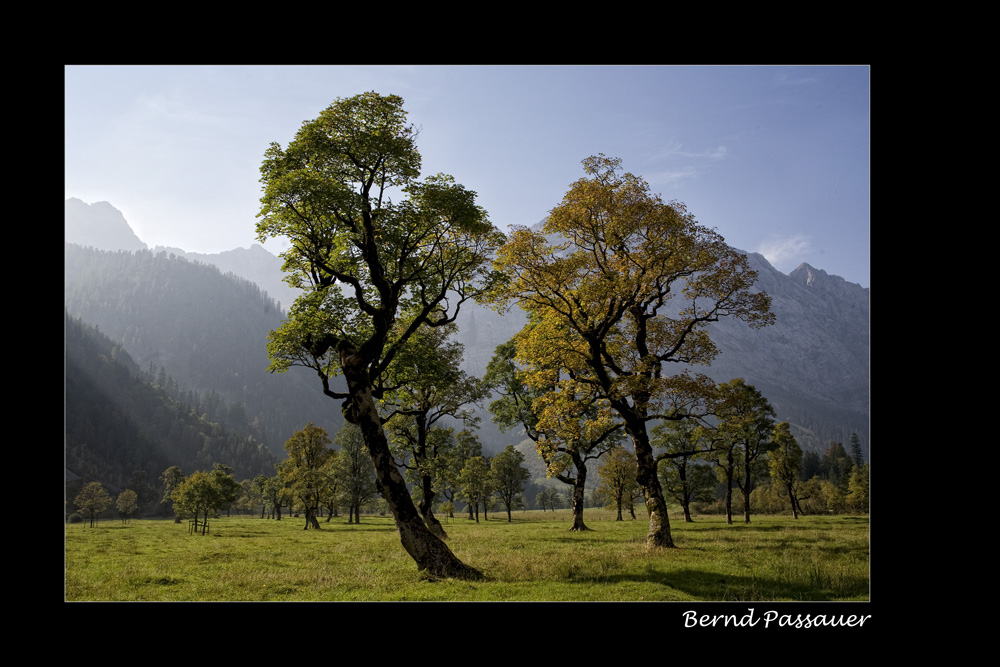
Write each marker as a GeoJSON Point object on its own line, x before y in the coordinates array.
{"type": "Point", "coordinates": [713, 586]}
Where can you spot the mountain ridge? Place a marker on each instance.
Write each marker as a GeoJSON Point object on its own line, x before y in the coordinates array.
{"type": "Point", "coordinates": [812, 364]}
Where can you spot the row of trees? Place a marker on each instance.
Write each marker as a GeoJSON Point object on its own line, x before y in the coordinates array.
{"type": "Point", "coordinates": [618, 286]}
{"type": "Point", "coordinates": [701, 466]}
{"type": "Point", "coordinates": [94, 499]}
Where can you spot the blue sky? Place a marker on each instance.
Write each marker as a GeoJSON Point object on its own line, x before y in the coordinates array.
{"type": "Point", "coordinates": [776, 158]}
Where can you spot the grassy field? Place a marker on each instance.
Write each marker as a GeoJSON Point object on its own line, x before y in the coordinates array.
{"type": "Point", "coordinates": [533, 558]}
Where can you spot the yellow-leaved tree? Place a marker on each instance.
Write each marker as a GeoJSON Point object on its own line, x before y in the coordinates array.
{"type": "Point", "coordinates": [619, 285]}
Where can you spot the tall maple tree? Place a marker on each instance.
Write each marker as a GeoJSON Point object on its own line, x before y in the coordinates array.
{"type": "Point", "coordinates": [380, 253]}
{"type": "Point", "coordinates": [618, 285]}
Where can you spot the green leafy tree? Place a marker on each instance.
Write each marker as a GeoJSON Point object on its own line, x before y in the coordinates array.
{"type": "Point", "coordinates": [785, 462]}
{"type": "Point", "coordinates": [330, 495]}
{"type": "Point", "coordinates": [228, 487]}
{"type": "Point", "coordinates": [127, 504]}
{"type": "Point", "coordinates": [430, 388]}
{"type": "Point", "coordinates": [354, 472]}
{"type": "Point", "coordinates": [746, 423]}
{"type": "Point", "coordinates": [600, 283]}
{"type": "Point", "coordinates": [585, 432]}
{"type": "Point", "coordinates": [170, 479]}
{"type": "Point", "coordinates": [252, 495]}
{"type": "Point", "coordinates": [259, 493]}
{"type": "Point", "coordinates": [681, 476]}
{"type": "Point", "coordinates": [308, 451]}
{"type": "Point", "coordinates": [464, 446]}
{"type": "Point", "coordinates": [204, 493]}
{"type": "Point", "coordinates": [92, 500]}
{"type": "Point", "coordinates": [477, 484]}
{"type": "Point", "coordinates": [276, 495]}
{"type": "Point", "coordinates": [618, 482]}
{"type": "Point", "coordinates": [509, 475]}
{"type": "Point", "coordinates": [548, 499]}
{"type": "Point", "coordinates": [380, 254]}
{"type": "Point", "coordinates": [857, 489]}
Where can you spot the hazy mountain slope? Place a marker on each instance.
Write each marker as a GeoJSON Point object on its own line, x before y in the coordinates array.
{"type": "Point", "coordinates": [254, 264]}
{"type": "Point", "coordinates": [207, 330]}
{"type": "Point", "coordinates": [117, 422]}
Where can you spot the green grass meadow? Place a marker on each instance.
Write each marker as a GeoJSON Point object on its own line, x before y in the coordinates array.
{"type": "Point", "coordinates": [534, 558]}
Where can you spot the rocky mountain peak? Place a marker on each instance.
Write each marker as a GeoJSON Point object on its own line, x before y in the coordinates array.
{"type": "Point", "coordinates": [100, 225]}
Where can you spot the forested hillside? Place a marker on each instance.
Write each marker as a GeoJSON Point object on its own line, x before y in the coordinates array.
{"type": "Point", "coordinates": [206, 330]}
{"type": "Point", "coordinates": [119, 420]}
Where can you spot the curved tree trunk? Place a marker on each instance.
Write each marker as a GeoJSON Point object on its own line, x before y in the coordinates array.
{"type": "Point", "coordinates": [427, 509]}
{"type": "Point", "coordinates": [428, 550]}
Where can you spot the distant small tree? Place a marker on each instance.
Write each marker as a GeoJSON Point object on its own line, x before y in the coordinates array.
{"type": "Point", "coordinates": [276, 496]}
{"type": "Point", "coordinates": [857, 489]}
{"type": "Point", "coordinates": [355, 472]}
{"type": "Point", "coordinates": [546, 499]}
{"type": "Point", "coordinates": [251, 496]}
{"type": "Point", "coordinates": [681, 476]}
{"type": "Point", "coordinates": [509, 475]}
{"type": "Point", "coordinates": [856, 454]}
{"type": "Point", "coordinates": [204, 494]}
{"type": "Point", "coordinates": [127, 504]}
{"type": "Point", "coordinates": [836, 465]}
{"type": "Point", "coordinates": [307, 451]}
{"type": "Point", "coordinates": [741, 440]}
{"type": "Point", "coordinates": [618, 479]}
{"type": "Point", "coordinates": [569, 425]}
{"type": "Point", "coordinates": [466, 445]}
{"type": "Point", "coordinates": [476, 483]}
{"type": "Point", "coordinates": [786, 458]}
{"type": "Point", "coordinates": [171, 478]}
{"type": "Point", "coordinates": [93, 500]}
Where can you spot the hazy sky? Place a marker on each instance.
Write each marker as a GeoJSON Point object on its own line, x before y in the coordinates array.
{"type": "Point", "coordinates": [775, 158]}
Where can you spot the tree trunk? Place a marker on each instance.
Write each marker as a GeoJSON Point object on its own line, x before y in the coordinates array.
{"type": "Point", "coordinates": [659, 523]}
{"type": "Point", "coordinates": [747, 480]}
{"type": "Point", "coordinates": [729, 487]}
{"type": "Point", "coordinates": [578, 489]}
{"type": "Point", "coordinates": [429, 552]}
{"type": "Point", "coordinates": [793, 500]}
{"type": "Point", "coordinates": [427, 507]}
